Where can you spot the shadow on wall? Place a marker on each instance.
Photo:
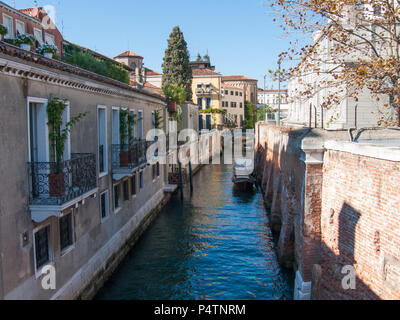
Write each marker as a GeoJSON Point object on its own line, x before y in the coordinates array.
{"type": "Point", "coordinates": [338, 279]}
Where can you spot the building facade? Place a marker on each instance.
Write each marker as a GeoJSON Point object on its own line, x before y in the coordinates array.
{"type": "Point", "coordinates": [80, 216]}
{"type": "Point", "coordinates": [33, 21]}
{"type": "Point", "coordinates": [248, 85]}
{"type": "Point", "coordinates": [233, 103]}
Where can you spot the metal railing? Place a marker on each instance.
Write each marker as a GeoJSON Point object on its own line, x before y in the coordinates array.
{"type": "Point", "coordinates": [129, 156]}
{"type": "Point", "coordinates": [54, 183]}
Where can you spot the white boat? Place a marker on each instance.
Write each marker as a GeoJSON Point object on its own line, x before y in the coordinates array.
{"type": "Point", "coordinates": [242, 173]}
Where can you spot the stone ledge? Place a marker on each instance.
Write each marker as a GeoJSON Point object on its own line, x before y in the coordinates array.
{"type": "Point", "coordinates": [367, 150]}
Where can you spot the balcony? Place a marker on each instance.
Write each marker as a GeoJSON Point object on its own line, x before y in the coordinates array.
{"type": "Point", "coordinates": [203, 91]}
{"type": "Point", "coordinates": [126, 159]}
{"type": "Point", "coordinates": [56, 187]}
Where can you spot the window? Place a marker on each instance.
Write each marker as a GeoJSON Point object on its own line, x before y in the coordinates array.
{"type": "Point", "coordinates": [153, 171]}
{"type": "Point", "coordinates": [241, 104]}
{"type": "Point", "coordinates": [133, 185]}
{"type": "Point", "coordinates": [49, 39]}
{"type": "Point", "coordinates": [102, 139]}
{"type": "Point", "coordinates": [104, 205]}
{"type": "Point", "coordinates": [141, 182]}
{"type": "Point", "coordinates": [236, 93]}
{"type": "Point", "coordinates": [208, 102]}
{"type": "Point", "coordinates": [117, 197]}
{"type": "Point", "coordinates": [126, 190]}
{"type": "Point", "coordinates": [42, 247]}
{"type": "Point", "coordinates": [226, 92]}
{"type": "Point", "coordinates": [19, 27]}
{"type": "Point", "coordinates": [200, 102]}
{"type": "Point", "coordinates": [66, 232]}
{"type": "Point", "coordinates": [199, 86]}
{"type": "Point", "coordinates": [233, 105]}
{"type": "Point", "coordinates": [241, 94]}
{"type": "Point", "coordinates": [38, 34]}
{"type": "Point", "coordinates": [158, 169]}
{"type": "Point", "coordinates": [8, 23]}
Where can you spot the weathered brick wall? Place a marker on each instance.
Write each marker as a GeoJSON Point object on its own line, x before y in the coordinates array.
{"type": "Point", "coordinates": [360, 224]}
{"type": "Point", "coordinates": [281, 175]}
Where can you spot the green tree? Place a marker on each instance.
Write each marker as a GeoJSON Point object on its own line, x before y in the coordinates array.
{"type": "Point", "coordinates": [176, 68]}
{"type": "Point", "coordinates": [249, 115]}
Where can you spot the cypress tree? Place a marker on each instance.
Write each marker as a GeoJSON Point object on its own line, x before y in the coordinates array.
{"type": "Point", "coordinates": [176, 68]}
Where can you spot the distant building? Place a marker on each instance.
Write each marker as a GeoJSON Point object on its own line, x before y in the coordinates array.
{"type": "Point", "coordinates": [233, 102]}
{"type": "Point", "coordinates": [248, 85]}
{"type": "Point", "coordinates": [271, 99]}
{"type": "Point", "coordinates": [33, 21]}
{"type": "Point", "coordinates": [206, 87]}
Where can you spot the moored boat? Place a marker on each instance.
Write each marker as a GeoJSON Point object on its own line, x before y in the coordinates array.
{"type": "Point", "coordinates": [242, 174]}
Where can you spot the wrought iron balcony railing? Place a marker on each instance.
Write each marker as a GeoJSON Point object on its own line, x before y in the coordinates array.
{"type": "Point", "coordinates": [129, 156]}
{"type": "Point", "coordinates": [55, 184]}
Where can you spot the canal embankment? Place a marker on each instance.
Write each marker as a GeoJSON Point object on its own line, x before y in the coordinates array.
{"type": "Point", "coordinates": [333, 200]}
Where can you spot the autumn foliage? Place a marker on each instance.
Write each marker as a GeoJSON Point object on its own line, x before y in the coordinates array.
{"type": "Point", "coordinates": [355, 49]}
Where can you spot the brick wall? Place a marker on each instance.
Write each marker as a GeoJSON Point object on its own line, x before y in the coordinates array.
{"type": "Point", "coordinates": [360, 223]}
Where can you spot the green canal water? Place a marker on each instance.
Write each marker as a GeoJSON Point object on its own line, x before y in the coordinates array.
{"type": "Point", "coordinates": [215, 245]}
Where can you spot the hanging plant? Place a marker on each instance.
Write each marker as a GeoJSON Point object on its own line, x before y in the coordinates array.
{"type": "Point", "coordinates": [132, 120]}
{"type": "Point", "coordinates": [158, 119]}
{"type": "Point", "coordinates": [57, 134]}
{"type": "Point", "coordinates": [123, 126]}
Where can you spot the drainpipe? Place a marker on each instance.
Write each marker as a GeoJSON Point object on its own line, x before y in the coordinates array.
{"type": "Point", "coordinates": [310, 119]}
{"type": "Point", "coordinates": [315, 117]}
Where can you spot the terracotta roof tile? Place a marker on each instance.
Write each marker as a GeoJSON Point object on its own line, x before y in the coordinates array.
{"type": "Point", "coordinates": [150, 72]}
{"type": "Point", "coordinates": [237, 78]}
{"type": "Point", "coordinates": [128, 54]}
{"type": "Point", "coordinates": [226, 86]}
{"type": "Point", "coordinates": [204, 72]}
{"type": "Point", "coordinates": [10, 50]}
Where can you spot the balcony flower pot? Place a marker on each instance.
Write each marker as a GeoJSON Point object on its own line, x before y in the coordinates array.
{"type": "Point", "coordinates": [172, 106]}
{"type": "Point", "coordinates": [124, 159]}
{"type": "Point", "coordinates": [25, 46]}
{"type": "Point", "coordinates": [57, 185]}
{"type": "Point", "coordinates": [47, 50]}
{"type": "Point", "coordinates": [25, 41]}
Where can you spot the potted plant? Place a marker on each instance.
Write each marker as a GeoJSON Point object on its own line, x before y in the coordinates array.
{"type": "Point", "coordinates": [58, 135]}
{"type": "Point", "coordinates": [25, 41]}
{"type": "Point", "coordinates": [3, 31]}
{"type": "Point", "coordinates": [175, 94]}
{"type": "Point", "coordinates": [48, 50]}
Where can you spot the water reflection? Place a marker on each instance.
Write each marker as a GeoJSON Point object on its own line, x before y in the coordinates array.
{"type": "Point", "coordinates": [214, 245]}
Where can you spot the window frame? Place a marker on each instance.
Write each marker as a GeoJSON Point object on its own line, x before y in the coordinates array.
{"type": "Point", "coordinates": [105, 151]}
{"type": "Point", "coordinates": [9, 34]}
{"type": "Point", "coordinates": [71, 246]}
{"type": "Point", "coordinates": [38, 270]}
{"type": "Point", "coordinates": [21, 22]}
{"type": "Point", "coordinates": [107, 205]}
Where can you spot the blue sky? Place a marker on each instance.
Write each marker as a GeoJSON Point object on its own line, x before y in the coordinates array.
{"type": "Point", "coordinates": [240, 36]}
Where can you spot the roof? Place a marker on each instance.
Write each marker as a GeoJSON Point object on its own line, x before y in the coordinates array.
{"type": "Point", "coordinates": [60, 66]}
{"type": "Point", "coordinates": [226, 86]}
{"type": "Point", "coordinates": [26, 13]}
{"type": "Point", "coordinates": [237, 78]}
{"type": "Point", "coordinates": [204, 72]}
{"type": "Point", "coordinates": [32, 12]}
{"type": "Point", "coordinates": [273, 91]}
{"type": "Point", "coordinates": [150, 73]}
{"type": "Point", "coordinates": [128, 54]}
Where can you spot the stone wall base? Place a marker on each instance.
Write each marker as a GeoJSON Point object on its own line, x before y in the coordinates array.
{"type": "Point", "coordinates": [85, 284]}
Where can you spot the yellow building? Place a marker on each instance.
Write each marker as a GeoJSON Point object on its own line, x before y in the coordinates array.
{"type": "Point", "coordinates": [206, 87]}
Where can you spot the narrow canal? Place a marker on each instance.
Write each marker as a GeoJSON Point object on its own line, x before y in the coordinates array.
{"type": "Point", "coordinates": [216, 245]}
